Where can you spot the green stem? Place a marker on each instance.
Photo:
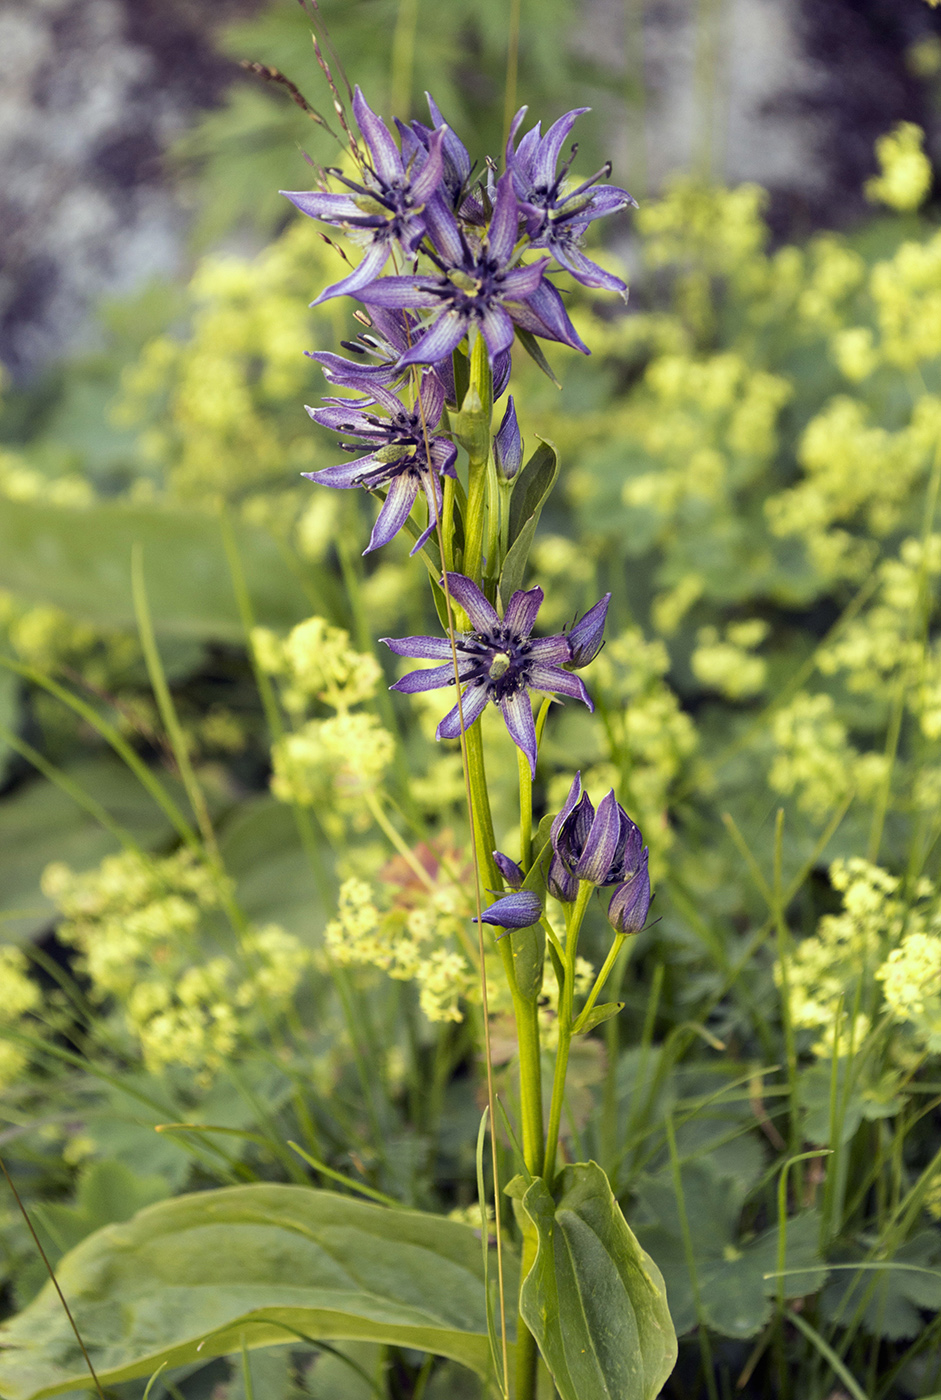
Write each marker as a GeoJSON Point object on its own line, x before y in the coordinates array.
{"type": "Point", "coordinates": [566, 997]}
{"type": "Point", "coordinates": [526, 810]}
{"type": "Point", "coordinates": [481, 381]}
{"type": "Point", "coordinates": [602, 977]}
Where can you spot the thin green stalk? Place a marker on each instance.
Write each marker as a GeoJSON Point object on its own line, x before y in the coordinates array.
{"type": "Point", "coordinates": [526, 810]}
{"type": "Point", "coordinates": [600, 980]}
{"type": "Point", "coordinates": [403, 58]}
{"type": "Point", "coordinates": [829, 1355]}
{"type": "Point", "coordinates": [702, 1330]}
{"type": "Point", "coordinates": [566, 997]}
{"type": "Point", "coordinates": [784, 964]}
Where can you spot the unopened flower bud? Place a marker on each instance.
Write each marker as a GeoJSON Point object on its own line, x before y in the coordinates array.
{"type": "Point", "coordinates": [510, 871]}
{"type": "Point", "coordinates": [560, 883]}
{"type": "Point", "coordinates": [508, 445]}
{"type": "Point", "coordinates": [517, 910]}
{"type": "Point", "coordinates": [630, 903]}
{"type": "Point", "coordinates": [587, 635]}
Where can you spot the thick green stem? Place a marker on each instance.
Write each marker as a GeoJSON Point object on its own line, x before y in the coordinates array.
{"type": "Point", "coordinates": [566, 997]}
{"type": "Point", "coordinates": [526, 810]}
{"type": "Point", "coordinates": [481, 391]}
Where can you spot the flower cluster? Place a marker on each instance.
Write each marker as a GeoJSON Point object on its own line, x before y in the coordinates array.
{"type": "Point", "coordinates": [140, 926]}
{"type": "Point", "coordinates": [466, 247]}
{"type": "Point", "coordinates": [412, 930]}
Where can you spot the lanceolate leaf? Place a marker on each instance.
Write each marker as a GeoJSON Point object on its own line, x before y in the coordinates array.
{"type": "Point", "coordinates": [530, 492]}
{"type": "Point", "coordinates": [594, 1301]}
{"type": "Point", "coordinates": [190, 1278]}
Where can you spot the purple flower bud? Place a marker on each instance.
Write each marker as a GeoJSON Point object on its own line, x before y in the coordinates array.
{"type": "Point", "coordinates": [603, 847]}
{"type": "Point", "coordinates": [586, 637]}
{"type": "Point", "coordinates": [630, 903]}
{"type": "Point", "coordinates": [508, 445]}
{"type": "Point", "coordinates": [510, 871]}
{"type": "Point", "coordinates": [517, 910]}
{"type": "Point", "coordinates": [600, 849]}
{"type": "Point", "coordinates": [560, 883]}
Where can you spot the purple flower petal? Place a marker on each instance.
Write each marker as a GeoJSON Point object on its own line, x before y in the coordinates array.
{"type": "Point", "coordinates": [587, 635]}
{"type": "Point", "coordinates": [601, 847]}
{"type": "Point", "coordinates": [550, 148]}
{"type": "Point", "coordinates": [550, 651]}
{"type": "Point", "coordinates": [520, 284]}
{"type": "Point", "coordinates": [558, 682]}
{"type": "Point", "coordinates": [521, 610]}
{"type": "Point", "coordinates": [548, 307]}
{"type": "Point", "coordinates": [429, 177]}
{"type": "Point", "coordinates": [630, 903]}
{"type": "Point", "coordinates": [568, 806]}
{"type": "Point", "coordinates": [509, 869]}
{"type": "Point", "coordinates": [377, 255]}
{"type": "Point", "coordinates": [513, 911]}
{"type": "Point", "coordinates": [508, 445]}
{"type": "Point", "coordinates": [431, 679]}
{"type": "Point", "coordinates": [345, 475]}
{"type": "Point", "coordinates": [397, 293]}
{"type": "Point", "coordinates": [396, 508]}
{"type": "Point", "coordinates": [382, 148]}
{"type": "Point", "coordinates": [504, 223]}
{"type": "Point", "coordinates": [561, 883]}
{"type": "Point", "coordinates": [469, 597]}
{"type": "Point", "coordinates": [329, 208]}
{"type": "Point", "coordinates": [518, 715]}
{"type": "Point", "coordinates": [585, 271]}
{"type": "Point", "coordinates": [443, 231]}
{"type": "Point", "coordinates": [473, 703]}
{"type": "Point", "coordinates": [497, 330]}
{"type": "Point", "coordinates": [444, 455]}
{"type": "Point", "coordinates": [437, 342]}
{"type": "Point", "coordinates": [424, 648]}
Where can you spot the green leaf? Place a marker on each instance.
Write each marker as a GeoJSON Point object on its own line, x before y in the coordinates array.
{"type": "Point", "coordinates": [530, 492]}
{"type": "Point", "coordinates": [81, 561]}
{"type": "Point", "coordinates": [534, 350]}
{"type": "Point", "coordinates": [890, 1293]}
{"type": "Point", "coordinates": [192, 1277]}
{"type": "Point", "coordinates": [40, 823]}
{"type": "Point", "coordinates": [735, 1277]}
{"type": "Point", "coordinates": [598, 1015]}
{"type": "Point", "coordinates": [594, 1301]}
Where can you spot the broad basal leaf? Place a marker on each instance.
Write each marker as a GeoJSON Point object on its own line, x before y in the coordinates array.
{"type": "Point", "coordinates": [81, 561]}
{"type": "Point", "coordinates": [594, 1301]}
{"type": "Point", "coordinates": [192, 1277]}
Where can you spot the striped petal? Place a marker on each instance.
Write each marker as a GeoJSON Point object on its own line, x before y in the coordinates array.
{"type": "Point", "coordinates": [473, 703]}
{"type": "Point", "coordinates": [518, 716]}
{"type": "Point", "coordinates": [468, 596]}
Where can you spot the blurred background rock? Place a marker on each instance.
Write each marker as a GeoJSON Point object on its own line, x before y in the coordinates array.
{"type": "Point", "coordinates": [129, 136]}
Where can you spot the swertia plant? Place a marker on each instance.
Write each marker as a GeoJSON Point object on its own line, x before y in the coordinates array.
{"type": "Point", "coordinates": [455, 268]}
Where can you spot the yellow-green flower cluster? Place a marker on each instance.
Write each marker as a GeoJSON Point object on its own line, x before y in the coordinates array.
{"type": "Point", "coordinates": [879, 939]}
{"type": "Point", "coordinates": [854, 471]}
{"type": "Point", "coordinates": [707, 424]}
{"type": "Point", "coordinates": [905, 178]}
{"type": "Point", "coordinates": [19, 995]}
{"type": "Point", "coordinates": [884, 644]}
{"type": "Point", "coordinates": [332, 762]}
{"type": "Point", "coordinates": [815, 759]}
{"type": "Point", "coordinates": [210, 406]}
{"type": "Point", "coordinates": [137, 923]}
{"type": "Point", "coordinates": [728, 663]}
{"type": "Point", "coordinates": [418, 938]}
{"type": "Point", "coordinates": [317, 662]}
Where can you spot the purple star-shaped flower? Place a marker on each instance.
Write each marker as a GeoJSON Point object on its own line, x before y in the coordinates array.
{"type": "Point", "coordinates": [384, 210]}
{"type": "Point", "coordinates": [479, 287]}
{"type": "Point", "coordinates": [499, 660]}
{"type": "Point", "coordinates": [555, 219]}
{"type": "Point", "coordinates": [404, 456]}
